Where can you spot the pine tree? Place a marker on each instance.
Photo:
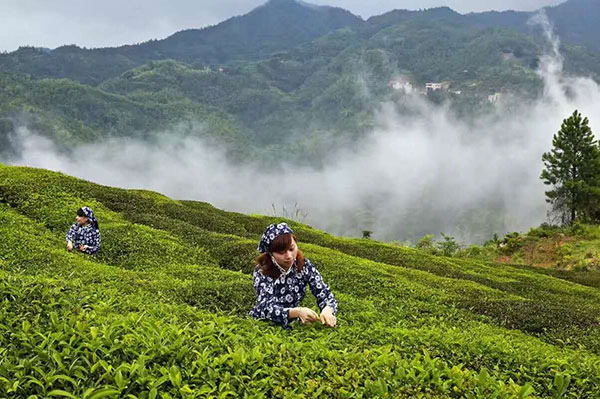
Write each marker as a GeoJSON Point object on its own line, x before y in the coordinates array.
{"type": "Point", "coordinates": [572, 167]}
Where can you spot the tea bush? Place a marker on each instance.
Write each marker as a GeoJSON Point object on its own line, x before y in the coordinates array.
{"type": "Point", "coordinates": [161, 310]}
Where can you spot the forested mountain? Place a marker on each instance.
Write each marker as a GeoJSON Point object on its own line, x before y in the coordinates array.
{"type": "Point", "coordinates": [277, 25]}
{"type": "Point", "coordinates": [575, 21]}
{"type": "Point", "coordinates": [281, 25]}
{"type": "Point", "coordinates": [286, 69]}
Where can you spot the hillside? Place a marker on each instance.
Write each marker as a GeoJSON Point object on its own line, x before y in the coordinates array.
{"type": "Point", "coordinates": [563, 248]}
{"type": "Point", "coordinates": [277, 25]}
{"type": "Point", "coordinates": [280, 26]}
{"type": "Point", "coordinates": [306, 94]}
{"type": "Point", "coordinates": [287, 76]}
{"type": "Point", "coordinates": [161, 310]}
{"type": "Point", "coordinates": [575, 21]}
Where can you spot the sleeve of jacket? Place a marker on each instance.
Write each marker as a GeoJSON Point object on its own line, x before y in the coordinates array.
{"type": "Point", "coordinates": [94, 245]}
{"type": "Point", "coordinates": [266, 304]}
{"type": "Point", "coordinates": [71, 233]}
{"type": "Point", "coordinates": [318, 287]}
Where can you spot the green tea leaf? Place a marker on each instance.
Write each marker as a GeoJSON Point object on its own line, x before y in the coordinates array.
{"type": "Point", "coordinates": [58, 392]}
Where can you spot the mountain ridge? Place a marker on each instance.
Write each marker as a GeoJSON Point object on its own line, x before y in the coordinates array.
{"type": "Point", "coordinates": [303, 91]}
{"type": "Point", "coordinates": [278, 25]}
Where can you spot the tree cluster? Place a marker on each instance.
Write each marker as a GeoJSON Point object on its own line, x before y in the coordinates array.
{"type": "Point", "coordinates": [572, 169]}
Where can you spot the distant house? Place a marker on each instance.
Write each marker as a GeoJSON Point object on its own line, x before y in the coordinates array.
{"type": "Point", "coordinates": [433, 86]}
{"type": "Point", "coordinates": [430, 87]}
{"type": "Point", "coordinates": [401, 85]}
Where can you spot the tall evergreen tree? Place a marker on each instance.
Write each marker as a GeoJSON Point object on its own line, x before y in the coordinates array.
{"type": "Point", "coordinates": [572, 168]}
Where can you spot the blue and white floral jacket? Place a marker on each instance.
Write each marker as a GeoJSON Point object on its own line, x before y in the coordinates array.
{"type": "Point", "coordinates": [275, 297]}
{"type": "Point", "coordinates": [85, 235]}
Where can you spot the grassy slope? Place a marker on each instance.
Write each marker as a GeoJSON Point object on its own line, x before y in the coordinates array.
{"type": "Point", "coordinates": [161, 310]}
{"type": "Point", "coordinates": [571, 248]}
{"type": "Point", "coordinates": [552, 250]}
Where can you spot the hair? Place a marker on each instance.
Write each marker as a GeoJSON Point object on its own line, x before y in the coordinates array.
{"type": "Point", "coordinates": [81, 213]}
{"type": "Point", "coordinates": [279, 244]}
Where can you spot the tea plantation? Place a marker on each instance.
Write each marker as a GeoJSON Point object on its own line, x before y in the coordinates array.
{"type": "Point", "coordinates": [161, 310]}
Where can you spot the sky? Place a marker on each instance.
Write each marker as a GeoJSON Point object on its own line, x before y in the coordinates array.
{"type": "Point", "coordinates": [43, 23]}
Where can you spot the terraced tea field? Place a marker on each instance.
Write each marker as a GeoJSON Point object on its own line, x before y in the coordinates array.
{"type": "Point", "coordinates": [161, 310]}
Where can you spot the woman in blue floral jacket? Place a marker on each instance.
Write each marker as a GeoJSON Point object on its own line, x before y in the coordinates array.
{"type": "Point", "coordinates": [84, 234]}
{"type": "Point", "coordinates": [280, 281]}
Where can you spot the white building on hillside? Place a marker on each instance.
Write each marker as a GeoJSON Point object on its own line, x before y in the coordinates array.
{"type": "Point", "coordinates": [433, 86]}
{"type": "Point", "coordinates": [401, 85]}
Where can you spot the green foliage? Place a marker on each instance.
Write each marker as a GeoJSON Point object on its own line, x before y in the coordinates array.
{"type": "Point", "coordinates": [544, 231]}
{"type": "Point", "coordinates": [449, 247]}
{"type": "Point", "coordinates": [572, 168]}
{"type": "Point", "coordinates": [484, 253]}
{"type": "Point", "coordinates": [512, 242]}
{"type": "Point", "coordinates": [168, 319]}
{"type": "Point", "coordinates": [427, 244]}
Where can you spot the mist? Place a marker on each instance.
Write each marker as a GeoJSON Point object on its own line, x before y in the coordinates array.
{"type": "Point", "coordinates": [426, 172]}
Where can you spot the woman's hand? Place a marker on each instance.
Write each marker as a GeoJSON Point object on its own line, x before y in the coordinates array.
{"type": "Point", "coordinates": [69, 246]}
{"type": "Point", "coordinates": [327, 317]}
{"type": "Point", "coordinates": [82, 247]}
{"type": "Point", "coordinates": [306, 315]}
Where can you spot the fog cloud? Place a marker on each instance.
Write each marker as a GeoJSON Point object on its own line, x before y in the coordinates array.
{"type": "Point", "coordinates": [416, 173]}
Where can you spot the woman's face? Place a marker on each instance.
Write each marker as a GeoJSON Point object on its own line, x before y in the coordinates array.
{"type": "Point", "coordinates": [81, 220]}
{"type": "Point", "coordinates": [287, 257]}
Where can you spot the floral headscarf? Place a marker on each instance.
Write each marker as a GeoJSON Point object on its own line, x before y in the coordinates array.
{"type": "Point", "coordinates": [271, 233]}
{"type": "Point", "coordinates": [88, 213]}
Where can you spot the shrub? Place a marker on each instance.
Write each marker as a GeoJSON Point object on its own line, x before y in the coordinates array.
{"type": "Point", "coordinates": [427, 244]}
{"type": "Point", "coordinates": [448, 247]}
